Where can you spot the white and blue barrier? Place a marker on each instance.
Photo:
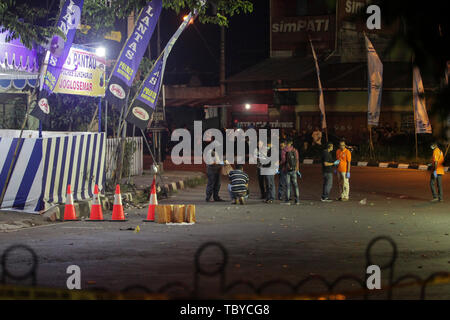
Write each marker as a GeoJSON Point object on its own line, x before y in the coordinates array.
{"type": "Point", "coordinates": [45, 166]}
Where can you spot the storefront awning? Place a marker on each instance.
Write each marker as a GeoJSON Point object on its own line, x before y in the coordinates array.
{"type": "Point", "coordinates": [18, 65]}
{"type": "Point", "coordinates": [16, 84]}
{"type": "Point", "coordinates": [15, 56]}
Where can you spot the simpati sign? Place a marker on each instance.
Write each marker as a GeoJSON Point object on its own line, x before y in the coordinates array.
{"type": "Point", "coordinates": [290, 34]}
{"type": "Point", "coordinates": [291, 24]}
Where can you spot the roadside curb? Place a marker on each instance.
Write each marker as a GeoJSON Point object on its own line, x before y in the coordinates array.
{"type": "Point", "coordinates": [180, 184]}
{"type": "Point", "coordinates": [393, 165]}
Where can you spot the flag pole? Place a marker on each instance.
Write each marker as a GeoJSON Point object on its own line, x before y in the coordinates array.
{"type": "Point", "coordinates": [415, 126]}
{"type": "Point", "coordinates": [446, 150]}
{"type": "Point", "coordinates": [371, 148]}
{"type": "Point", "coordinates": [414, 109]}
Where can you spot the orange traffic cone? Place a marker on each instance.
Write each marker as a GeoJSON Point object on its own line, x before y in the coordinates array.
{"type": "Point", "coordinates": [96, 208]}
{"type": "Point", "coordinates": [117, 214]}
{"type": "Point", "coordinates": [153, 203]}
{"type": "Point", "coordinates": [69, 209]}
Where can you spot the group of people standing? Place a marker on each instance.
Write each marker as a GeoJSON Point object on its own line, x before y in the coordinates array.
{"type": "Point", "coordinates": [289, 173]}
{"type": "Point", "coordinates": [287, 167]}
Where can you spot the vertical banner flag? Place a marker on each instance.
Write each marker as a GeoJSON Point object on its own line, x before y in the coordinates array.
{"type": "Point", "coordinates": [144, 103]}
{"type": "Point", "coordinates": [423, 124]}
{"type": "Point", "coordinates": [131, 55]}
{"type": "Point", "coordinates": [321, 100]}
{"type": "Point", "coordinates": [375, 84]}
{"type": "Point", "coordinates": [69, 20]}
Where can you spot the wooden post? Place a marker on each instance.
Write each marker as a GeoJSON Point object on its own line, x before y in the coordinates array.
{"type": "Point", "coordinates": [446, 150]}
{"type": "Point", "coordinates": [371, 148]}
{"type": "Point", "coordinates": [414, 108]}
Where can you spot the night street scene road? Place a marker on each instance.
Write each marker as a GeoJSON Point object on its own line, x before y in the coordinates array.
{"type": "Point", "coordinates": [224, 157]}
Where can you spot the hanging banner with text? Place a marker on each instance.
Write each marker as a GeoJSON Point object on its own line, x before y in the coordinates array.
{"type": "Point", "coordinates": [83, 73]}
{"type": "Point", "coordinates": [423, 124]}
{"type": "Point", "coordinates": [145, 102]}
{"type": "Point", "coordinates": [375, 85]}
{"type": "Point", "coordinates": [321, 99]}
{"type": "Point", "coordinates": [131, 55]}
{"type": "Point", "coordinates": [68, 23]}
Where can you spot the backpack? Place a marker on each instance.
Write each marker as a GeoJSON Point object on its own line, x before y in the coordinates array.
{"type": "Point", "coordinates": [291, 160]}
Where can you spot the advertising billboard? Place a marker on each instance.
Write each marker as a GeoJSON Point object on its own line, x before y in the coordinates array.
{"type": "Point", "coordinates": [83, 73]}
{"type": "Point", "coordinates": [292, 22]}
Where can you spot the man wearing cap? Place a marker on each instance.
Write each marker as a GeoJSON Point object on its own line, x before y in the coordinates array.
{"type": "Point", "coordinates": [437, 173]}
{"type": "Point", "coordinates": [343, 170]}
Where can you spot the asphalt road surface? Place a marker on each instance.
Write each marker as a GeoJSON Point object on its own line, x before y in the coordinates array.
{"type": "Point", "coordinates": [263, 241]}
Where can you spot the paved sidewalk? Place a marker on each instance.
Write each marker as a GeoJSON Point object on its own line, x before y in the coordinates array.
{"type": "Point", "coordinates": [172, 180]}
{"type": "Point", "coordinates": [15, 220]}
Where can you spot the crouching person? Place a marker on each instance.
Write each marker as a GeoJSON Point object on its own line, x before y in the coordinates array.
{"type": "Point", "coordinates": [238, 187]}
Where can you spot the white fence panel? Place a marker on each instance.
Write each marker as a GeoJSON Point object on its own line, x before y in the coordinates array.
{"type": "Point", "coordinates": [136, 161]}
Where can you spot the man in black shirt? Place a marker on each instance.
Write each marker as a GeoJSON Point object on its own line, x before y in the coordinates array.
{"type": "Point", "coordinates": [327, 170]}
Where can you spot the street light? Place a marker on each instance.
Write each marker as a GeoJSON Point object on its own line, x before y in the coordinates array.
{"type": "Point", "coordinates": [100, 51]}
{"type": "Point", "coordinates": [247, 106]}
{"type": "Point", "coordinates": [186, 16]}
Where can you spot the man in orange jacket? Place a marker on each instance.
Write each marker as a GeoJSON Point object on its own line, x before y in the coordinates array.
{"type": "Point", "coordinates": [343, 170]}
{"type": "Point", "coordinates": [438, 172]}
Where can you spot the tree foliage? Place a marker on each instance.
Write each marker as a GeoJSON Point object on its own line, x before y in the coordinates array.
{"type": "Point", "coordinates": [36, 24]}
{"type": "Point", "coordinates": [26, 22]}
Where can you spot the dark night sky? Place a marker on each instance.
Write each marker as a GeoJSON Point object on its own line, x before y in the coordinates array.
{"type": "Point", "coordinates": [247, 43]}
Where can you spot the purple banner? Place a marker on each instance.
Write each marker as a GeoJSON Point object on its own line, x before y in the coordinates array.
{"type": "Point", "coordinates": [68, 22]}
{"type": "Point", "coordinates": [145, 102]}
{"type": "Point", "coordinates": [131, 55]}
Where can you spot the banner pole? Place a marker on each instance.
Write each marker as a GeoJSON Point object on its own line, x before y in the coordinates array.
{"type": "Point", "coordinates": [371, 148]}
{"type": "Point", "coordinates": [414, 108]}
{"type": "Point", "coordinates": [106, 118]}
{"type": "Point", "coordinates": [151, 153]}
{"type": "Point", "coordinates": [40, 128]}
{"type": "Point", "coordinates": [417, 151]}
{"type": "Point", "coordinates": [446, 150]}
{"type": "Point", "coordinates": [100, 114]}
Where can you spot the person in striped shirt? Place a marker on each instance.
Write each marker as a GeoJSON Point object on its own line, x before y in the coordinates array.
{"type": "Point", "coordinates": [238, 187]}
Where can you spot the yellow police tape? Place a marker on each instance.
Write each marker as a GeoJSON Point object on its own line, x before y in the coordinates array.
{"type": "Point", "coordinates": [9, 292]}
{"type": "Point", "coordinates": [33, 293]}
{"type": "Point", "coordinates": [438, 280]}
